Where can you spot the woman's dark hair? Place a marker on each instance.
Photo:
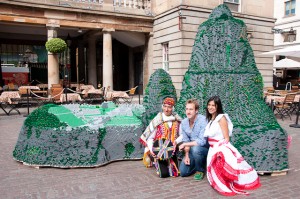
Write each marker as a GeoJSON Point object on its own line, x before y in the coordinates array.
{"type": "Point", "coordinates": [218, 104]}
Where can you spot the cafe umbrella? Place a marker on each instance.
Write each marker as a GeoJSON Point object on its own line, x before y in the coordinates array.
{"type": "Point", "coordinates": [292, 52]}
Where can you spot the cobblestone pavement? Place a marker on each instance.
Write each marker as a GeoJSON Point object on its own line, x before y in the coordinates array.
{"type": "Point", "coordinates": [125, 179]}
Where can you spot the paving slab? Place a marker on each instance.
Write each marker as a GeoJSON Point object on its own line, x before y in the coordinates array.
{"type": "Point", "coordinates": [123, 179]}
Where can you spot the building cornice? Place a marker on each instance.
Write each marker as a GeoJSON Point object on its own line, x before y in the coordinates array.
{"type": "Point", "coordinates": [208, 10]}
{"type": "Point", "coordinates": [70, 18]}
{"type": "Point", "coordinates": [287, 22]}
{"type": "Point", "coordinates": [102, 10]}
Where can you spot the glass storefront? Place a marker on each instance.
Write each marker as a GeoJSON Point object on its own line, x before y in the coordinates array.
{"type": "Point", "coordinates": [20, 55]}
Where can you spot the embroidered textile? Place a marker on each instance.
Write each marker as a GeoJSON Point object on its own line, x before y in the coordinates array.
{"type": "Point", "coordinates": [159, 130]}
{"type": "Point", "coordinates": [169, 101]}
{"type": "Point", "coordinates": [152, 127]}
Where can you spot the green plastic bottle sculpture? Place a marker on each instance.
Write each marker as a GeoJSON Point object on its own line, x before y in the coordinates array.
{"type": "Point", "coordinates": [222, 63]}
{"type": "Point", "coordinates": [159, 87]}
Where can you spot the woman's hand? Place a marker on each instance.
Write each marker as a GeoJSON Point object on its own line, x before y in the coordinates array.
{"type": "Point", "coordinates": [152, 154]}
{"type": "Point", "coordinates": [225, 141]}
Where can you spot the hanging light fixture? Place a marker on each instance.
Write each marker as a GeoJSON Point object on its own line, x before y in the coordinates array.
{"type": "Point", "coordinates": [68, 40]}
{"type": "Point", "coordinates": [291, 35]}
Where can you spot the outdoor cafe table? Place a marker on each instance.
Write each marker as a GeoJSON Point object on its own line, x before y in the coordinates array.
{"type": "Point", "coordinates": [6, 99]}
{"type": "Point", "coordinates": [93, 94]}
{"type": "Point", "coordinates": [75, 85]}
{"type": "Point", "coordinates": [95, 91]}
{"type": "Point", "coordinates": [6, 96]}
{"type": "Point", "coordinates": [25, 89]}
{"type": "Point", "coordinates": [279, 99]}
{"type": "Point", "coordinates": [110, 95]}
{"type": "Point", "coordinates": [42, 86]}
{"type": "Point", "coordinates": [70, 97]}
{"type": "Point", "coordinates": [87, 87]}
{"type": "Point", "coordinates": [29, 87]}
{"type": "Point", "coordinates": [120, 96]}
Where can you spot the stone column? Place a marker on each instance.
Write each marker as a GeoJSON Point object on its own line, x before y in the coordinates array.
{"type": "Point", "coordinates": [148, 59]}
{"type": "Point", "coordinates": [53, 60]}
{"type": "Point", "coordinates": [107, 58]}
{"type": "Point", "coordinates": [92, 74]}
{"type": "Point", "coordinates": [131, 69]}
{"type": "Point", "coordinates": [81, 61]}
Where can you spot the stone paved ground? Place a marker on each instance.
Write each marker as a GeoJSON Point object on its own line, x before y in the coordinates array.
{"type": "Point", "coordinates": [126, 179]}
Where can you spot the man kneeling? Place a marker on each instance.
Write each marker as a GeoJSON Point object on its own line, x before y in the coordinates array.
{"type": "Point", "coordinates": [194, 145]}
{"type": "Point", "coordinates": [160, 139]}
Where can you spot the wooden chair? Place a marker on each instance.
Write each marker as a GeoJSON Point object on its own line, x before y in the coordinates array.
{"type": "Point", "coordinates": [283, 92]}
{"type": "Point", "coordinates": [56, 90]}
{"type": "Point", "coordinates": [10, 100]}
{"type": "Point", "coordinates": [295, 89]}
{"type": "Point", "coordinates": [131, 93]}
{"type": "Point", "coordinates": [96, 95]}
{"type": "Point", "coordinates": [84, 89]}
{"type": "Point", "coordinates": [270, 89]}
{"type": "Point", "coordinates": [23, 92]}
{"type": "Point", "coordinates": [107, 93]}
{"type": "Point", "coordinates": [11, 86]}
{"type": "Point", "coordinates": [284, 109]}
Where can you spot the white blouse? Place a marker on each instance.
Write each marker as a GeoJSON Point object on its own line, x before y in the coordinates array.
{"type": "Point", "coordinates": [213, 128]}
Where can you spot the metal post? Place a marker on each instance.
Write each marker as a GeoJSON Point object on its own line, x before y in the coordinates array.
{"type": "Point", "coordinates": [139, 98]}
{"type": "Point", "coordinates": [140, 87]}
{"type": "Point", "coordinates": [66, 93]}
{"type": "Point", "coordinates": [272, 105]}
{"type": "Point", "coordinates": [296, 125]}
{"type": "Point", "coordinates": [65, 86]}
{"type": "Point", "coordinates": [27, 94]}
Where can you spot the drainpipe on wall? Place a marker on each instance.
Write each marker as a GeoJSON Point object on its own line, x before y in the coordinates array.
{"type": "Point", "coordinates": [180, 17]}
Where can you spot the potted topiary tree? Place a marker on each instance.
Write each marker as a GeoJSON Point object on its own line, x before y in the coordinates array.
{"type": "Point", "coordinates": [54, 46]}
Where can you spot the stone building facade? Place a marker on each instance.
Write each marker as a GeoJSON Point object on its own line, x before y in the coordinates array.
{"type": "Point", "coordinates": [177, 25]}
{"type": "Point", "coordinates": [119, 43]}
{"type": "Point", "coordinates": [287, 25]}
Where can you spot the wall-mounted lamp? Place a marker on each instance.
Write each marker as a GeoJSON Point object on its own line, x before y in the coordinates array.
{"type": "Point", "coordinates": [68, 40]}
{"type": "Point", "coordinates": [281, 31]}
{"type": "Point", "coordinates": [79, 30]}
{"type": "Point", "coordinates": [276, 30]}
{"type": "Point", "coordinates": [290, 35]}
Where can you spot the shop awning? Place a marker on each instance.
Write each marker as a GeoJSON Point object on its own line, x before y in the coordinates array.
{"type": "Point", "coordinates": [287, 64]}
{"type": "Point", "coordinates": [291, 51]}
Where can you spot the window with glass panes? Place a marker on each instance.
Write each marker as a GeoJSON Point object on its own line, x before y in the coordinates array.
{"type": "Point", "coordinates": [232, 1]}
{"type": "Point", "coordinates": [233, 5]}
{"type": "Point", "coordinates": [165, 55]}
{"type": "Point", "coordinates": [290, 7]}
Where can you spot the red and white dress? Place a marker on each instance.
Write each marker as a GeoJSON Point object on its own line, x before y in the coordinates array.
{"type": "Point", "coordinates": [227, 171]}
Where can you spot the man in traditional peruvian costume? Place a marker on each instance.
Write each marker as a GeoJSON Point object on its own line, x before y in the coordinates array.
{"type": "Point", "coordinates": [160, 139]}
